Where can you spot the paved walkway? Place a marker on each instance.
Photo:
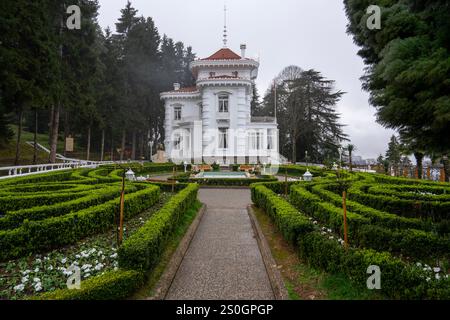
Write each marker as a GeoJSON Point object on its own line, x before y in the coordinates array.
{"type": "Point", "coordinates": [223, 260]}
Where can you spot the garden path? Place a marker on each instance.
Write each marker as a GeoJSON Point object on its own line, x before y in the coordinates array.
{"type": "Point", "coordinates": [223, 260]}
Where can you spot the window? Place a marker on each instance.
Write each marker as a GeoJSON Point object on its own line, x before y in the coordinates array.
{"type": "Point", "coordinates": [212, 74]}
{"type": "Point", "coordinates": [177, 113]}
{"type": "Point", "coordinates": [223, 103]}
{"type": "Point", "coordinates": [255, 140]}
{"type": "Point", "coordinates": [270, 139]}
{"type": "Point", "coordinates": [223, 138]}
{"type": "Point", "coordinates": [235, 74]}
{"type": "Point", "coordinates": [177, 142]}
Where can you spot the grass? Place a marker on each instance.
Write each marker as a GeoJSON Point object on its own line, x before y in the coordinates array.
{"type": "Point", "coordinates": [302, 281]}
{"type": "Point", "coordinates": [8, 153]}
{"type": "Point", "coordinates": [154, 275]}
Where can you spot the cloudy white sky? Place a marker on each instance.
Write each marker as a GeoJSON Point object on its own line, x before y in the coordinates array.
{"type": "Point", "coordinates": [310, 34]}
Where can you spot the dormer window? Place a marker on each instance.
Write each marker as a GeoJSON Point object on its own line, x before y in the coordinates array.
{"type": "Point", "coordinates": [177, 113]}
{"type": "Point", "coordinates": [223, 103]}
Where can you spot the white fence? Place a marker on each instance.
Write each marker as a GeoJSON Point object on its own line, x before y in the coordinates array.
{"type": "Point", "coordinates": [16, 171]}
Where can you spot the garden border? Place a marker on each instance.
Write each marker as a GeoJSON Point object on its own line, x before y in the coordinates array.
{"type": "Point", "coordinates": [165, 281]}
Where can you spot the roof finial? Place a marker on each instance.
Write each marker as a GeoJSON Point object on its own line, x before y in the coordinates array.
{"type": "Point", "coordinates": [225, 26]}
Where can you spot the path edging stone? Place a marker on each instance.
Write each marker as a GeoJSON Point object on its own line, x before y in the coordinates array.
{"type": "Point", "coordinates": [163, 285]}
{"type": "Point", "coordinates": [276, 281]}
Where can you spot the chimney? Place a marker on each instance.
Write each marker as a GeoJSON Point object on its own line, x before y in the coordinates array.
{"type": "Point", "coordinates": [176, 86]}
{"type": "Point", "coordinates": [243, 47]}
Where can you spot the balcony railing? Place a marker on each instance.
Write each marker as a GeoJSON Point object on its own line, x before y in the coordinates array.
{"type": "Point", "coordinates": [263, 119]}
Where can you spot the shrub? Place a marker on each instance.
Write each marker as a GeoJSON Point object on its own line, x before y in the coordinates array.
{"type": "Point", "coordinates": [35, 236]}
{"type": "Point", "coordinates": [290, 222]}
{"type": "Point", "coordinates": [143, 249]}
{"type": "Point", "coordinates": [112, 285]}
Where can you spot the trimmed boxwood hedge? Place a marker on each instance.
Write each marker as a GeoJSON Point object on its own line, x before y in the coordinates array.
{"type": "Point", "coordinates": [185, 177]}
{"type": "Point", "coordinates": [13, 219]}
{"type": "Point", "coordinates": [362, 231]}
{"type": "Point", "coordinates": [54, 232]}
{"type": "Point", "coordinates": [286, 217]}
{"type": "Point", "coordinates": [143, 249]}
{"type": "Point", "coordinates": [399, 280]}
{"type": "Point", "coordinates": [435, 210]}
{"type": "Point", "coordinates": [112, 285]}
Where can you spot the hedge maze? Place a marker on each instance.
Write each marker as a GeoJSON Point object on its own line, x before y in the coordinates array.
{"type": "Point", "coordinates": [401, 225]}
{"type": "Point", "coordinates": [43, 213]}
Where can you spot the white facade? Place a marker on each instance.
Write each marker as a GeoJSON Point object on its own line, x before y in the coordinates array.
{"type": "Point", "coordinates": [211, 122]}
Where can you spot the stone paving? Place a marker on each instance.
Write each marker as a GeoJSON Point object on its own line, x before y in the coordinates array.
{"type": "Point", "coordinates": [223, 260]}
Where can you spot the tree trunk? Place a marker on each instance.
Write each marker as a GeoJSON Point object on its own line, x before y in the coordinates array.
{"type": "Point", "coordinates": [102, 148]}
{"type": "Point", "coordinates": [35, 136]}
{"type": "Point", "coordinates": [419, 158]}
{"type": "Point", "coordinates": [54, 135]}
{"type": "Point", "coordinates": [112, 145]}
{"type": "Point", "coordinates": [294, 147]}
{"type": "Point", "coordinates": [66, 129]}
{"type": "Point", "coordinates": [133, 146]}
{"type": "Point", "coordinates": [19, 135]}
{"type": "Point", "coordinates": [50, 125]}
{"type": "Point", "coordinates": [141, 146]}
{"type": "Point", "coordinates": [88, 151]}
{"type": "Point", "coordinates": [350, 160]}
{"type": "Point", "coordinates": [122, 147]}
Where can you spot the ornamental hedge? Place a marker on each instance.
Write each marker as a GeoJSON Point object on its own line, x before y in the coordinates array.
{"type": "Point", "coordinates": [143, 249]}
{"type": "Point", "coordinates": [112, 285]}
{"type": "Point", "coordinates": [400, 279]}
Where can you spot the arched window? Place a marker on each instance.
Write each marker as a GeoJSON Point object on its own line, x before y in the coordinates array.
{"type": "Point", "coordinates": [223, 103]}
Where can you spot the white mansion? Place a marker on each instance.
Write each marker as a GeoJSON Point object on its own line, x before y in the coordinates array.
{"type": "Point", "coordinates": [211, 122]}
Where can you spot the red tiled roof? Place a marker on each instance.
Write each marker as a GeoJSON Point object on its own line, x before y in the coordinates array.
{"type": "Point", "coordinates": [185, 90]}
{"type": "Point", "coordinates": [188, 89]}
{"type": "Point", "coordinates": [224, 54]}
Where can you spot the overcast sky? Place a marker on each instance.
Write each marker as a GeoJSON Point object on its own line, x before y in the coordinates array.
{"type": "Point", "coordinates": [306, 33]}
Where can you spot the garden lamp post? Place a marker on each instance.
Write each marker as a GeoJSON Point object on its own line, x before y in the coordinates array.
{"type": "Point", "coordinates": [185, 165]}
{"type": "Point", "coordinates": [150, 144]}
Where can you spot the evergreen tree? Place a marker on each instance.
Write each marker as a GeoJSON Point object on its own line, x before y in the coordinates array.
{"type": "Point", "coordinates": [393, 154]}
{"type": "Point", "coordinates": [408, 68]}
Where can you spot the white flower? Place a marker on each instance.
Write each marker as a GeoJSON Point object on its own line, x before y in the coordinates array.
{"type": "Point", "coordinates": [323, 233]}
{"type": "Point", "coordinates": [25, 279]}
{"type": "Point", "coordinates": [99, 267]}
{"type": "Point", "coordinates": [113, 256]}
{"type": "Point", "coordinates": [329, 230]}
{"type": "Point", "coordinates": [36, 280]}
{"type": "Point", "coordinates": [330, 237]}
{"type": "Point", "coordinates": [103, 257]}
{"type": "Point", "coordinates": [436, 269]}
{"type": "Point", "coordinates": [87, 275]}
{"type": "Point", "coordinates": [315, 222]}
{"type": "Point", "coordinates": [64, 260]}
{"type": "Point", "coordinates": [78, 256]}
{"type": "Point", "coordinates": [418, 264]}
{"type": "Point", "coordinates": [50, 268]}
{"type": "Point", "coordinates": [114, 249]}
{"type": "Point", "coordinates": [19, 287]}
{"type": "Point", "coordinates": [38, 260]}
{"type": "Point", "coordinates": [38, 287]}
{"type": "Point", "coordinates": [86, 266]}
{"type": "Point", "coordinates": [26, 272]}
{"type": "Point", "coordinates": [116, 268]}
{"type": "Point", "coordinates": [428, 279]}
{"type": "Point", "coordinates": [438, 277]}
{"type": "Point", "coordinates": [99, 253]}
{"type": "Point", "coordinates": [36, 270]}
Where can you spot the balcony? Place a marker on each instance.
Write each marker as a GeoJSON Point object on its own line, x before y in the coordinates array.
{"type": "Point", "coordinates": [263, 119]}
